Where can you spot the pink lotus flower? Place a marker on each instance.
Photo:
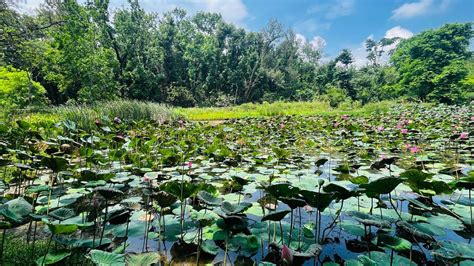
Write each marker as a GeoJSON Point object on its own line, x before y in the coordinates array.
{"type": "Point", "coordinates": [345, 117]}
{"type": "Point", "coordinates": [286, 255]}
{"type": "Point", "coordinates": [282, 125]}
{"type": "Point", "coordinates": [407, 146]}
{"type": "Point", "coordinates": [414, 149]}
{"type": "Point", "coordinates": [404, 131]}
{"type": "Point", "coordinates": [190, 164]}
{"type": "Point", "coordinates": [399, 126]}
{"type": "Point", "coordinates": [308, 208]}
{"type": "Point", "coordinates": [464, 135]}
{"type": "Point", "coordinates": [335, 124]}
{"type": "Point", "coordinates": [472, 118]}
{"type": "Point", "coordinates": [146, 179]}
{"type": "Point", "coordinates": [383, 156]}
{"type": "Point", "coordinates": [380, 128]}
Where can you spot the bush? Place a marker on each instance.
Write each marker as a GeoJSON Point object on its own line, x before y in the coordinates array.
{"type": "Point", "coordinates": [334, 96]}
{"type": "Point", "coordinates": [18, 90]}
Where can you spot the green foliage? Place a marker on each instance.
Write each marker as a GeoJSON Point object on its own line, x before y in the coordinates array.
{"type": "Point", "coordinates": [83, 53]}
{"type": "Point", "coordinates": [334, 96]}
{"type": "Point", "coordinates": [432, 63]}
{"type": "Point", "coordinates": [18, 90]}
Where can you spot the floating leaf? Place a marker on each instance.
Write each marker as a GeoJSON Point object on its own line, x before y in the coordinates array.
{"type": "Point", "coordinates": [103, 258]}
{"type": "Point", "coordinates": [275, 216]}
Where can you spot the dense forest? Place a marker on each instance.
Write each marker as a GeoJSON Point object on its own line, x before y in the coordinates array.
{"type": "Point", "coordinates": [69, 52]}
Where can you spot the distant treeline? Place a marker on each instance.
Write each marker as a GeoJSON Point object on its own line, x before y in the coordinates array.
{"type": "Point", "coordinates": [82, 53]}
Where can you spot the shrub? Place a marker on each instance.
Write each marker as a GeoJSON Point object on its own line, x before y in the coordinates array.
{"type": "Point", "coordinates": [18, 90]}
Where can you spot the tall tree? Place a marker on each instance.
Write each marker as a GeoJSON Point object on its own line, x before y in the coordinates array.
{"type": "Point", "coordinates": [432, 63]}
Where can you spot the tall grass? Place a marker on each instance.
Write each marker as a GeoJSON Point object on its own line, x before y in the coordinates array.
{"type": "Point", "coordinates": [85, 116]}
{"type": "Point", "coordinates": [280, 108]}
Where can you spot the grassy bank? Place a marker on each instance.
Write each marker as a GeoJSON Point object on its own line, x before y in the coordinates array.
{"type": "Point", "coordinates": [85, 116]}
{"type": "Point", "coordinates": [279, 108]}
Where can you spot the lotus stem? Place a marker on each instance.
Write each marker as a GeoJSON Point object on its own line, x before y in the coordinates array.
{"type": "Point", "coordinates": [470, 208]}
{"type": "Point", "coordinates": [299, 230]}
{"type": "Point", "coordinates": [34, 238]}
{"type": "Point", "coordinates": [225, 252]}
{"type": "Point", "coordinates": [3, 242]}
{"type": "Point", "coordinates": [395, 209]}
{"type": "Point", "coordinates": [47, 249]}
{"type": "Point", "coordinates": [391, 258]}
{"type": "Point", "coordinates": [126, 235]}
{"type": "Point", "coordinates": [367, 239]}
{"type": "Point", "coordinates": [281, 233]}
{"type": "Point", "coordinates": [103, 223]}
{"type": "Point", "coordinates": [335, 219]}
{"type": "Point", "coordinates": [291, 227]}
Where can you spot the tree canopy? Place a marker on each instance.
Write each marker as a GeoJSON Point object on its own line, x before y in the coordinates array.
{"type": "Point", "coordinates": [82, 53]}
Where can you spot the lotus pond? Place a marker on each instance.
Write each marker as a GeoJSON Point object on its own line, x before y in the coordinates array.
{"type": "Point", "coordinates": [385, 189]}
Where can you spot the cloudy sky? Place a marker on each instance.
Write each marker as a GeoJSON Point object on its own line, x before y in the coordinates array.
{"type": "Point", "coordinates": [332, 24]}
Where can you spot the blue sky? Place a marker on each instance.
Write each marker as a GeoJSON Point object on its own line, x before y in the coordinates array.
{"type": "Point", "coordinates": [329, 24]}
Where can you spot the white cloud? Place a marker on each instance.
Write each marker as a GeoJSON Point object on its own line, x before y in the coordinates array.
{"type": "Point", "coordinates": [334, 9]}
{"type": "Point", "coordinates": [300, 38]}
{"type": "Point", "coordinates": [399, 32]}
{"type": "Point", "coordinates": [396, 32]}
{"type": "Point", "coordinates": [311, 26]}
{"type": "Point", "coordinates": [233, 11]}
{"type": "Point", "coordinates": [418, 8]}
{"type": "Point", "coordinates": [340, 8]}
{"type": "Point", "coordinates": [359, 51]}
{"type": "Point", "coordinates": [318, 42]}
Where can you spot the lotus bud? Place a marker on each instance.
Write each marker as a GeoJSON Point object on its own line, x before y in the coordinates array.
{"type": "Point", "coordinates": [286, 255]}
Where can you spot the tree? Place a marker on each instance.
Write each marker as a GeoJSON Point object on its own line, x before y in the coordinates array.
{"type": "Point", "coordinates": [18, 90]}
{"type": "Point", "coordinates": [345, 57]}
{"type": "Point", "coordinates": [376, 50]}
{"type": "Point", "coordinates": [432, 63]}
{"type": "Point", "coordinates": [344, 75]}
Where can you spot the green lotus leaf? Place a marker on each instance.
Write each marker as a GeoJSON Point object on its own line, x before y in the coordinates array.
{"type": "Point", "coordinates": [368, 219]}
{"type": "Point", "coordinates": [143, 259]}
{"type": "Point", "coordinates": [383, 259]}
{"type": "Point", "coordinates": [393, 242]}
{"type": "Point", "coordinates": [275, 216]}
{"type": "Point", "coordinates": [446, 221]}
{"type": "Point", "coordinates": [293, 203]}
{"type": "Point", "coordinates": [108, 193]}
{"type": "Point", "coordinates": [382, 185]}
{"type": "Point", "coordinates": [164, 199]}
{"type": "Point", "coordinates": [62, 229]}
{"type": "Point", "coordinates": [317, 200]}
{"type": "Point", "coordinates": [454, 250]}
{"type": "Point", "coordinates": [103, 258]}
{"type": "Point", "coordinates": [410, 229]}
{"type": "Point", "coordinates": [429, 229]}
{"type": "Point", "coordinates": [20, 207]}
{"type": "Point", "coordinates": [359, 180]}
{"type": "Point", "coordinates": [311, 251]}
{"type": "Point", "coordinates": [52, 258]}
{"type": "Point", "coordinates": [353, 229]}
{"type": "Point", "coordinates": [339, 191]}
{"type": "Point", "coordinates": [55, 163]}
{"type": "Point", "coordinates": [230, 209]}
{"type": "Point", "coordinates": [210, 247]}
{"type": "Point", "coordinates": [208, 198]}
{"type": "Point", "coordinates": [282, 190]}
{"type": "Point", "coordinates": [62, 214]}
{"type": "Point", "coordinates": [181, 190]}
{"type": "Point", "coordinates": [37, 189]}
